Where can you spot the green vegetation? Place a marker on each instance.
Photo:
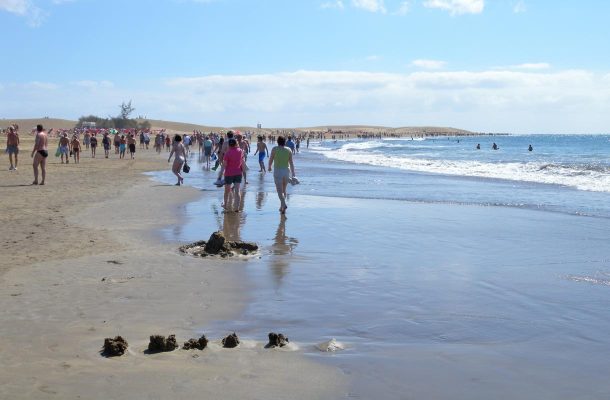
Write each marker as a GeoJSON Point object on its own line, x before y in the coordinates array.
{"type": "Point", "coordinates": [122, 121]}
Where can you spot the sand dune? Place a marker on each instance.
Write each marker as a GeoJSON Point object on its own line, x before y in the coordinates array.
{"type": "Point", "coordinates": [174, 126]}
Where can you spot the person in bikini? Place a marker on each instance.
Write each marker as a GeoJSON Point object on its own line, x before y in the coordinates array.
{"type": "Point", "coordinates": [93, 143]}
{"type": "Point", "coordinates": [40, 153]}
{"type": "Point", "coordinates": [179, 151]}
{"type": "Point", "coordinates": [75, 149]}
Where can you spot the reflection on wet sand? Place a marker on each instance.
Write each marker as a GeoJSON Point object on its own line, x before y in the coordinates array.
{"type": "Point", "coordinates": [283, 245]}
{"type": "Point", "coordinates": [230, 223]}
{"type": "Point", "coordinates": [261, 195]}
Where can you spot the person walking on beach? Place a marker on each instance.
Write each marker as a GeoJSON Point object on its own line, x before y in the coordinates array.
{"type": "Point", "coordinates": [75, 145]}
{"type": "Point", "coordinates": [106, 144]}
{"type": "Point", "coordinates": [132, 145]}
{"type": "Point", "coordinates": [12, 147]}
{"type": "Point", "coordinates": [93, 143]}
{"type": "Point", "coordinates": [243, 144]}
{"type": "Point", "coordinates": [290, 144]}
{"type": "Point", "coordinates": [224, 147]}
{"type": "Point", "coordinates": [87, 139]}
{"type": "Point", "coordinates": [64, 148]}
{"type": "Point", "coordinates": [40, 153]}
{"type": "Point", "coordinates": [233, 163]}
{"type": "Point", "coordinates": [262, 150]}
{"type": "Point", "coordinates": [179, 153]}
{"type": "Point", "coordinates": [281, 159]}
{"type": "Point", "coordinates": [207, 151]}
{"type": "Point", "coordinates": [146, 139]}
{"type": "Point", "coordinates": [117, 143]}
{"type": "Point", "coordinates": [122, 146]}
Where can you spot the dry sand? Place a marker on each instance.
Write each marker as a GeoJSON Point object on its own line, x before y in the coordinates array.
{"type": "Point", "coordinates": [80, 263]}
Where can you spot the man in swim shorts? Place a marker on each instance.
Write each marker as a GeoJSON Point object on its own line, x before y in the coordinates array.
{"type": "Point", "coordinates": [12, 146]}
{"type": "Point", "coordinates": [262, 150]}
{"type": "Point", "coordinates": [131, 141]}
{"type": "Point", "coordinates": [40, 153]}
{"type": "Point", "coordinates": [64, 148]}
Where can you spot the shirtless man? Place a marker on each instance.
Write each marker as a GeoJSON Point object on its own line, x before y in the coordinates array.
{"type": "Point", "coordinates": [12, 146]}
{"type": "Point", "coordinates": [64, 148]}
{"type": "Point", "coordinates": [131, 142]}
{"type": "Point", "coordinates": [40, 153]}
{"type": "Point", "coordinates": [262, 150]}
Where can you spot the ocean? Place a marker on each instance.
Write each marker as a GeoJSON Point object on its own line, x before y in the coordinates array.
{"type": "Point", "coordinates": [447, 271]}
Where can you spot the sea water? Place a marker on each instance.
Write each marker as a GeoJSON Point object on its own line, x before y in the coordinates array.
{"type": "Point", "coordinates": [489, 278]}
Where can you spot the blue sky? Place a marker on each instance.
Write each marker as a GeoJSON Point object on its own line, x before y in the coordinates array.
{"type": "Point", "coordinates": [522, 66]}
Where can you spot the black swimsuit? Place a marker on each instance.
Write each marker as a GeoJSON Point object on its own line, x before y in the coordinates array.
{"type": "Point", "coordinates": [43, 153]}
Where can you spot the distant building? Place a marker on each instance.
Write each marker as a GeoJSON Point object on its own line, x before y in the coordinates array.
{"type": "Point", "coordinates": [87, 124]}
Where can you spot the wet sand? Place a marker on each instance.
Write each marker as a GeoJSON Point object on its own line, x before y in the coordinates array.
{"type": "Point", "coordinates": [81, 263]}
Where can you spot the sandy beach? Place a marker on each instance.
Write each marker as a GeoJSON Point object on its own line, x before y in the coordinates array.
{"type": "Point", "coordinates": [436, 285]}
{"type": "Point", "coordinates": [81, 263]}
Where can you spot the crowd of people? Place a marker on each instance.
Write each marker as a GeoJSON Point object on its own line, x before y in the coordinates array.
{"type": "Point", "coordinates": [228, 152]}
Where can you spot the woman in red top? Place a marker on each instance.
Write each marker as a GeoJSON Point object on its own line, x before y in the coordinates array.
{"type": "Point", "coordinates": [233, 163]}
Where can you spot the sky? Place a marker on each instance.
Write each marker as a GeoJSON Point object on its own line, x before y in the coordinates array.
{"type": "Point", "coordinates": [519, 66]}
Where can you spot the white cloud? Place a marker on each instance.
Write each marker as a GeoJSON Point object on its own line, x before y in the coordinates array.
{"type": "Point", "coordinates": [24, 8]}
{"type": "Point", "coordinates": [403, 8]}
{"type": "Point", "coordinates": [93, 84]}
{"type": "Point", "coordinates": [19, 7]}
{"type": "Point", "coordinates": [457, 7]}
{"type": "Point", "coordinates": [493, 100]}
{"type": "Point", "coordinates": [428, 64]}
{"type": "Point", "coordinates": [527, 66]}
{"type": "Point", "coordinates": [370, 5]}
{"type": "Point", "coordinates": [333, 4]}
{"type": "Point", "coordinates": [519, 7]}
{"type": "Point", "coordinates": [35, 85]}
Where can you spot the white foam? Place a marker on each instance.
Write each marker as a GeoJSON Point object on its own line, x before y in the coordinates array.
{"type": "Point", "coordinates": [331, 346]}
{"type": "Point", "coordinates": [589, 179]}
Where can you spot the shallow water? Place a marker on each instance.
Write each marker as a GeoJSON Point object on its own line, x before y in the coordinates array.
{"type": "Point", "coordinates": [436, 293]}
